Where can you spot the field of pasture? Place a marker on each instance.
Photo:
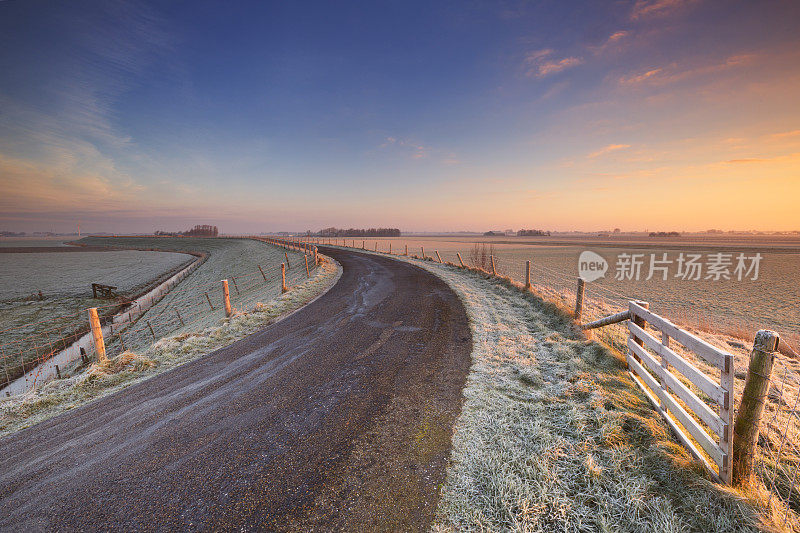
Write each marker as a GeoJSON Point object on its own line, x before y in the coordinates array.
{"type": "Point", "coordinates": [43, 296]}
{"type": "Point", "coordinates": [734, 307]}
{"type": "Point", "coordinates": [33, 327]}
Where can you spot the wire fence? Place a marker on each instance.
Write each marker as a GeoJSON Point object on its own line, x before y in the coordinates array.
{"type": "Point", "coordinates": [777, 456]}
{"type": "Point", "coordinates": [181, 304]}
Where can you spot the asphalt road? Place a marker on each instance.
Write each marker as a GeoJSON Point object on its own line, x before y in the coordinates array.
{"type": "Point", "coordinates": [338, 417]}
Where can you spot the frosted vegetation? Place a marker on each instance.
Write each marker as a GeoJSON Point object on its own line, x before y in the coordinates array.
{"type": "Point", "coordinates": [186, 308]}
{"type": "Point", "coordinates": [733, 307]}
{"type": "Point", "coordinates": [82, 384]}
{"type": "Point", "coordinates": [72, 274]}
{"type": "Point", "coordinates": [31, 324]}
{"type": "Point", "coordinates": [554, 436]}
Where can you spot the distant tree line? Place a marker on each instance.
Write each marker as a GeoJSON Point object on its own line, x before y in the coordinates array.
{"type": "Point", "coordinates": [520, 233]}
{"type": "Point", "coordinates": [201, 230]}
{"type": "Point", "coordinates": [353, 232]}
{"type": "Point", "coordinates": [664, 234]}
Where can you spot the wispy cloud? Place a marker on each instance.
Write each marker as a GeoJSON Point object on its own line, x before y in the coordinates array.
{"type": "Point", "coordinates": [60, 139]}
{"type": "Point", "coordinates": [541, 63]}
{"type": "Point", "coordinates": [675, 73]}
{"type": "Point", "coordinates": [608, 149]}
{"type": "Point", "coordinates": [29, 186]}
{"type": "Point", "coordinates": [413, 149]}
{"type": "Point", "coordinates": [419, 151]}
{"type": "Point", "coordinates": [750, 160]}
{"type": "Point", "coordinates": [786, 134]}
{"type": "Point", "coordinates": [634, 79]}
{"type": "Point", "coordinates": [655, 8]}
{"type": "Point", "coordinates": [613, 41]}
{"type": "Point", "coordinates": [782, 158]}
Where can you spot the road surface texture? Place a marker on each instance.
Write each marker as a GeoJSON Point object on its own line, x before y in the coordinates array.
{"type": "Point", "coordinates": [339, 417]}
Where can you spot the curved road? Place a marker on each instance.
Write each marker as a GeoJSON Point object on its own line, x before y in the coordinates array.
{"type": "Point", "coordinates": [336, 418]}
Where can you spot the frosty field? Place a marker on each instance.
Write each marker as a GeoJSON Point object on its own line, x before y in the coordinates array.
{"type": "Point", "coordinates": [72, 274]}
{"type": "Point", "coordinates": [727, 305]}
{"type": "Point", "coordinates": [11, 242]}
{"type": "Point", "coordinates": [82, 384]}
{"type": "Point", "coordinates": [237, 260]}
{"type": "Point", "coordinates": [31, 327]}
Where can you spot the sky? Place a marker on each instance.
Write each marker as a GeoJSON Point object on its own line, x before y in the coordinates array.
{"type": "Point", "coordinates": [426, 116]}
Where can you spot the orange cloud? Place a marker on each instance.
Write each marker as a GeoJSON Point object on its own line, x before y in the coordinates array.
{"type": "Point", "coordinates": [785, 134]}
{"type": "Point", "coordinates": [751, 160]}
{"type": "Point", "coordinates": [674, 73]}
{"type": "Point", "coordinates": [540, 63]}
{"type": "Point", "coordinates": [613, 40]}
{"type": "Point", "coordinates": [655, 8]}
{"type": "Point", "coordinates": [784, 158]}
{"type": "Point", "coordinates": [608, 149]}
{"type": "Point", "coordinates": [616, 36]}
{"type": "Point", "coordinates": [32, 187]}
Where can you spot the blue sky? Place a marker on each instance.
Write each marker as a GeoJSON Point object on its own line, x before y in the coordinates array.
{"type": "Point", "coordinates": [424, 116]}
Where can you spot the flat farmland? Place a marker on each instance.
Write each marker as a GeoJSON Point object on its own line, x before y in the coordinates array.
{"type": "Point", "coordinates": [768, 302]}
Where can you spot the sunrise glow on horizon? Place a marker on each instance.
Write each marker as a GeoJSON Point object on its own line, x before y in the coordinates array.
{"type": "Point", "coordinates": [450, 116]}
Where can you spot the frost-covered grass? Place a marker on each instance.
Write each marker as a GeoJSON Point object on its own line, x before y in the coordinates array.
{"type": "Point", "coordinates": [237, 260]}
{"type": "Point", "coordinates": [185, 308]}
{"type": "Point", "coordinates": [31, 326]}
{"type": "Point", "coordinates": [72, 274]}
{"type": "Point", "coordinates": [554, 436]}
{"type": "Point", "coordinates": [84, 384]}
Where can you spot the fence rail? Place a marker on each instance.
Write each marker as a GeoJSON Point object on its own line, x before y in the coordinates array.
{"type": "Point", "coordinates": [675, 401]}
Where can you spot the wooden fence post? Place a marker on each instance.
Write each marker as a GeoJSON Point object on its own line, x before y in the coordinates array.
{"type": "Point", "coordinates": [287, 259]}
{"type": "Point", "coordinates": [579, 300]}
{"type": "Point", "coordinates": [439, 257]}
{"type": "Point", "coordinates": [423, 251]}
{"type": "Point", "coordinates": [406, 252]}
{"type": "Point", "coordinates": [284, 288]}
{"type": "Point", "coordinates": [390, 248]}
{"type": "Point", "coordinates": [376, 246]}
{"type": "Point", "coordinates": [751, 408]}
{"type": "Point", "coordinates": [226, 298]}
{"type": "Point", "coordinates": [363, 245]}
{"type": "Point", "coordinates": [494, 270]}
{"type": "Point", "coordinates": [527, 275]}
{"type": "Point", "coordinates": [97, 334]}
{"type": "Point", "coordinates": [316, 257]}
{"type": "Point", "coordinates": [308, 273]}
{"type": "Point", "coordinates": [459, 259]}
